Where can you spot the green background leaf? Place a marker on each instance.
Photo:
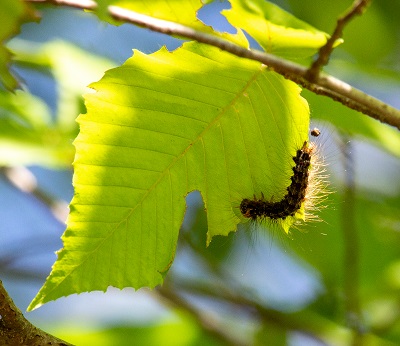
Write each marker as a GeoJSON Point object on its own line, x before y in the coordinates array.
{"type": "Point", "coordinates": [12, 14]}
{"type": "Point", "coordinates": [29, 133]}
{"type": "Point", "coordinates": [181, 330]}
{"type": "Point", "coordinates": [157, 128]}
{"type": "Point", "coordinates": [276, 30]}
{"type": "Point", "coordinates": [377, 28]}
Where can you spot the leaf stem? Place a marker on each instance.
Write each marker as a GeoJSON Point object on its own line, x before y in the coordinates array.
{"type": "Point", "coordinates": [323, 84]}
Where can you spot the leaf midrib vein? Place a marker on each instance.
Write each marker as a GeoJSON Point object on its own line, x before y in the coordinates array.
{"type": "Point", "coordinates": [199, 137]}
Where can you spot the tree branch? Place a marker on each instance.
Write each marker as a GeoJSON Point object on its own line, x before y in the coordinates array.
{"type": "Point", "coordinates": [323, 84]}
{"type": "Point", "coordinates": [325, 52]}
{"type": "Point", "coordinates": [15, 329]}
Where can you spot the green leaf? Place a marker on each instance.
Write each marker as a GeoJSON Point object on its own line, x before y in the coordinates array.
{"type": "Point", "coordinates": [277, 31]}
{"type": "Point", "coordinates": [182, 12]}
{"type": "Point", "coordinates": [27, 134]}
{"type": "Point", "coordinates": [72, 68]}
{"type": "Point", "coordinates": [12, 14]}
{"type": "Point", "coordinates": [157, 128]}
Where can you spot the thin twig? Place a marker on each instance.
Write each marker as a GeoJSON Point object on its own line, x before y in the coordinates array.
{"type": "Point", "coordinates": [323, 85]}
{"type": "Point", "coordinates": [325, 52]}
{"type": "Point", "coordinates": [320, 328]}
{"type": "Point", "coordinates": [209, 324]}
{"type": "Point", "coordinates": [226, 289]}
{"type": "Point", "coordinates": [307, 322]}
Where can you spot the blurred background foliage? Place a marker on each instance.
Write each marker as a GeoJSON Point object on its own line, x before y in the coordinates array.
{"type": "Point", "coordinates": [331, 281]}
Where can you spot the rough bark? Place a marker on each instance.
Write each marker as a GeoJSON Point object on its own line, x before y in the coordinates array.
{"type": "Point", "coordinates": [15, 329]}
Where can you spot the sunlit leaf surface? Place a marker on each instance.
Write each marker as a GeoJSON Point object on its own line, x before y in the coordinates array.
{"type": "Point", "coordinates": [157, 128]}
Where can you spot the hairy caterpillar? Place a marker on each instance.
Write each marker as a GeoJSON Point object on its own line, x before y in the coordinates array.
{"type": "Point", "coordinates": [297, 191]}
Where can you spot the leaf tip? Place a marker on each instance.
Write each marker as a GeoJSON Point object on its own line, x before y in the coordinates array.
{"type": "Point", "coordinates": [35, 303]}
